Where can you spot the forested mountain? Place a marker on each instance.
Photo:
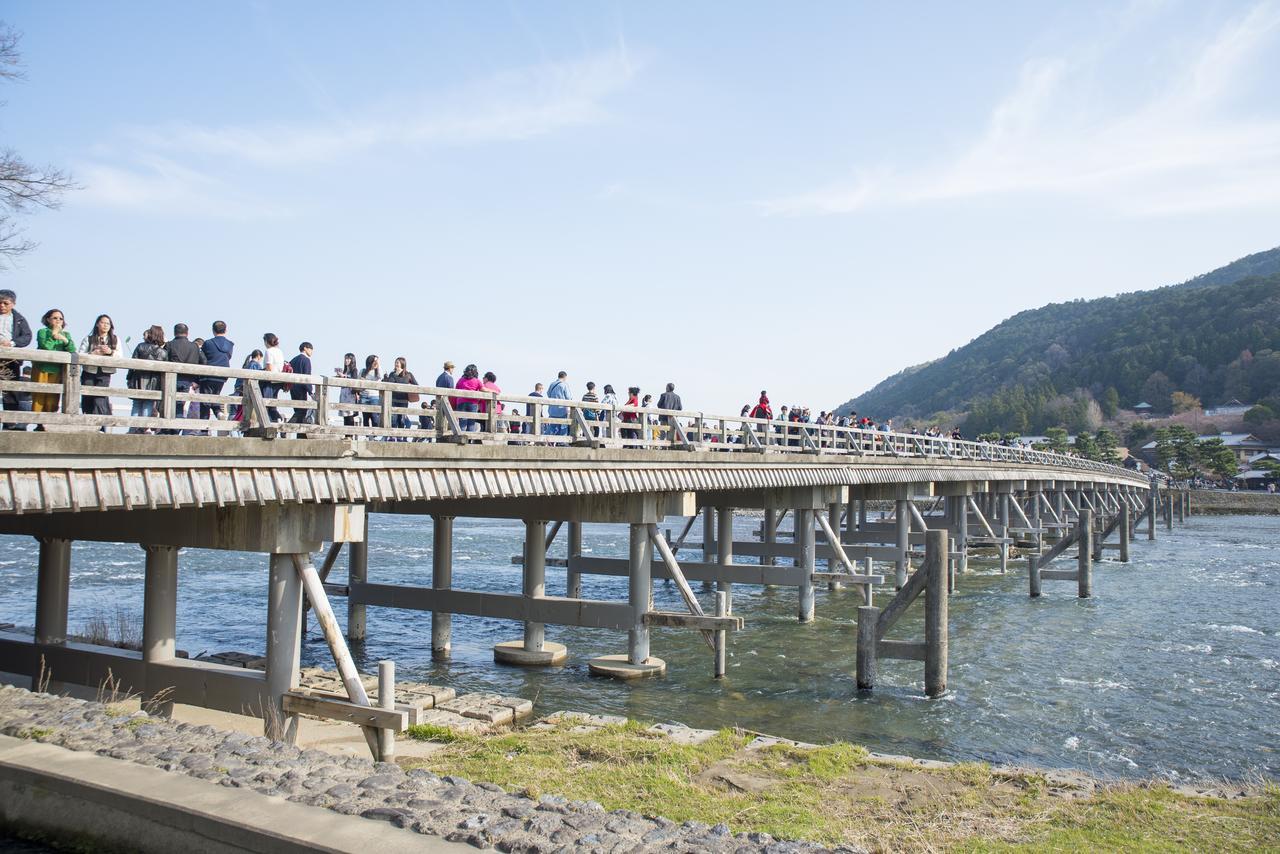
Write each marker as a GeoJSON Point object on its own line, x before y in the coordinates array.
{"type": "Point", "coordinates": [1215, 337]}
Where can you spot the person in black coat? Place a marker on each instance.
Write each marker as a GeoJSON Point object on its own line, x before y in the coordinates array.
{"type": "Point", "coordinates": [14, 332]}
{"type": "Point", "coordinates": [301, 364]}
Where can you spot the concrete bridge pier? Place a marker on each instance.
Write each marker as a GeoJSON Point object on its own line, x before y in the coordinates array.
{"type": "Point", "coordinates": [1003, 497]}
{"type": "Point", "coordinates": [284, 646]}
{"type": "Point", "coordinates": [805, 560]}
{"type": "Point", "coordinates": [53, 590]}
{"type": "Point", "coordinates": [357, 573]}
{"type": "Point", "coordinates": [159, 617]}
{"type": "Point", "coordinates": [534, 650]}
{"type": "Point", "coordinates": [637, 662]}
{"type": "Point", "coordinates": [709, 539]}
{"type": "Point", "coordinates": [573, 578]}
{"type": "Point", "coordinates": [441, 579]}
{"type": "Point", "coordinates": [724, 550]}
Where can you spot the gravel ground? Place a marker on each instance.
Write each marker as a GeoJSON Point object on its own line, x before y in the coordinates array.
{"type": "Point", "coordinates": [480, 814]}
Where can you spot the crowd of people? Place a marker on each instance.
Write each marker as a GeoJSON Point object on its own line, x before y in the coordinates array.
{"type": "Point", "coordinates": [218, 350]}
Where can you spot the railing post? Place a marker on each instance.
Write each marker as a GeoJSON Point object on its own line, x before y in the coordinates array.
{"type": "Point", "coordinates": [168, 394]}
{"type": "Point", "coordinates": [71, 385]}
{"type": "Point", "coordinates": [322, 402]}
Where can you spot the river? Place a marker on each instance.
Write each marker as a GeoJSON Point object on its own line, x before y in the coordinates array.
{"type": "Point", "coordinates": [1171, 670]}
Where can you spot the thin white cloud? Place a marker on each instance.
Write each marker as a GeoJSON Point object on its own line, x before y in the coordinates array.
{"type": "Point", "coordinates": [1182, 150]}
{"type": "Point", "coordinates": [178, 167]}
{"type": "Point", "coordinates": [157, 185]}
{"type": "Point", "coordinates": [511, 105]}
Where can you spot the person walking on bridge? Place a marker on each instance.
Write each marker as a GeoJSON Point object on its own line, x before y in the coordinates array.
{"type": "Point", "coordinates": [15, 332]}
{"type": "Point", "coordinates": [669, 400]}
{"type": "Point", "coordinates": [301, 364]}
{"type": "Point", "coordinates": [217, 352]}
{"type": "Point", "coordinates": [52, 336]}
{"type": "Point", "coordinates": [101, 341]}
{"type": "Point", "coordinates": [559, 391]}
{"type": "Point", "coordinates": [531, 408]}
{"type": "Point", "coordinates": [183, 350]}
{"type": "Point", "coordinates": [470, 382]}
{"type": "Point", "coordinates": [633, 399]}
{"type": "Point", "coordinates": [401, 399]}
{"type": "Point", "coordinates": [152, 346]}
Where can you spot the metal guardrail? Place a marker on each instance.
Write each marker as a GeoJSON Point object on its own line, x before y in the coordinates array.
{"type": "Point", "coordinates": [497, 418]}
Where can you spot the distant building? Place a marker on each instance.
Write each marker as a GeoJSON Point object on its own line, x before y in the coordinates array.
{"type": "Point", "coordinates": [1231, 409]}
{"type": "Point", "coordinates": [1243, 445]}
{"type": "Point", "coordinates": [1143, 409]}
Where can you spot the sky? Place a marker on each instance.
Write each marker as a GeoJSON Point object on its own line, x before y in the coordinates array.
{"type": "Point", "coordinates": [802, 198]}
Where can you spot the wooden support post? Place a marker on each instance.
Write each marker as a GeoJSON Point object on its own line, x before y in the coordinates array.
{"type": "Point", "coordinates": [387, 700]}
{"type": "Point", "coordinates": [1182, 506]}
{"type": "Point", "coordinates": [724, 548]}
{"type": "Point", "coordinates": [1099, 529]}
{"type": "Point", "coordinates": [833, 520]}
{"type": "Point", "coordinates": [1033, 573]}
{"type": "Point", "coordinates": [805, 560]}
{"type": "Point", "coordinates": [1186, 500]}
{"type": "Point", "coordinates": [868, 617]}
{"type": "Point", "coordinates": [53, 590]}
{"type": "Point", "coordinates": [535, 579]}
{"type": "Point", "coordinates": [1151, 512]}
{"type": "Point", "coordinates": [357, 573]}
{"type": "Point", "coordinates": [1084, 559]}
{"type": "Point", "coordinates": [1002, 502]}
{"type": "Point", "coordinates": [284, 646]}
{"type": "Point", "coordinates": [573, 578]}
{"type": "Point", "coordinates": [441, 579]}
{"type": "Point", "coordinates": [307, 579]}
{"type": "Point", "coordinates": [1126, 529]}
{"type": "Point", "coordinates": [159, 620]}
{"type": "Point", "coordinates": [708, 539]}
{"type": "Point", "coordinates": [721, 640]}
{"type": "Point", "coordinates": [935, 613]}
{"type": "Point", "coordinates": [640, 592]}
{"type": "Point", "coordinates": [1168, 510]}
{"type": "Point", "coordinates": [902, 521]}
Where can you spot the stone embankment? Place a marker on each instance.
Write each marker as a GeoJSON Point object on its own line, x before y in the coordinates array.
{"type": "Point", "coordinates": [1216, 502]}
{"type": "Point", "coordinates": [480, 814]}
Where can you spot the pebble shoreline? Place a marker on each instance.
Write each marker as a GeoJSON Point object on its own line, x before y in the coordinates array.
{"type": "Point", "coordinates": [480, 814]}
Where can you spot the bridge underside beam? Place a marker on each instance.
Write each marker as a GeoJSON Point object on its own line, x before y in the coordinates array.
{"type": "Point", "coordinates": [271, 529]}
{"type": "Point", "coordinates": [639, 508]}
{"type": "Point", "coordinates": [786, 498]}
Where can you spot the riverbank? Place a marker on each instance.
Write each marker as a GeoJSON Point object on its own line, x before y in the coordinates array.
{"type": "Point", "coordinates": [597, 784]}
{"type": "Point", "coordinates": [1216, 502]}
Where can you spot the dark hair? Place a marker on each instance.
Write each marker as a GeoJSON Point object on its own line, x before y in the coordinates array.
{"type": "Point", "coordinates": [368, 362]}
{"type": "Point", "coordinates": [271, 339]}
{"type": "Point", "coordinates": [349, 365]}
{"type": "Point", "coordinates": [155, 334]}
{"type": "Point", "coordinates": [219, 327]}
{"type": "Point", "coordinates": [45, 319]}
{"type": "Point", "coordinates": [305, 345]}
{"type": "Point", "coordinates": [470, 372]}
{"type": "Point", "coordinates": [671, 386]}
{"type": "Point", "coordinates": [111, 332]}
{"type": "Point", "coordinates": [590, 385]}
{"type": "Point", "coordinates": [490, 377]}
{"type": "Point", "coordinates": [179, 329]}
{"type": "Point", "coordinates": [9, 295]}
{"type": "Point", "coordinates": [249, 358]}
{"type": "Point", "coordinates": [608, 389]}
{"type": "Point", "coordinates": [561, 375]}
{"type": "Point", "coordinates": [635, 389]}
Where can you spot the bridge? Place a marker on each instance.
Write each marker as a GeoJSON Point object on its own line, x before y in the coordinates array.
{"type": "Point", "coordinates": [897, 515]}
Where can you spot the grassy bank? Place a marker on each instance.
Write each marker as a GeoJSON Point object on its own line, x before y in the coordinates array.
{"type": "Point", "coordinates": [838, 793]}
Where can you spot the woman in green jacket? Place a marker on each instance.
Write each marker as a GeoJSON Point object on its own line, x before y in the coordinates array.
{"type": "Point", "coordinates": [52, 336]}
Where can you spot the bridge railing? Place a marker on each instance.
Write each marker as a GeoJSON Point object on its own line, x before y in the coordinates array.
{"type": "Point", "coordinates": [253, 402]}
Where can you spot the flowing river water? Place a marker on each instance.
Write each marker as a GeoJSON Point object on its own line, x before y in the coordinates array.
{"type": "Point", "coordinates": [1172, 669]}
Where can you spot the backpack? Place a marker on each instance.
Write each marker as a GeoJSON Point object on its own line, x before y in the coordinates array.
{"type": "Point", "coordinates": [287, 369]}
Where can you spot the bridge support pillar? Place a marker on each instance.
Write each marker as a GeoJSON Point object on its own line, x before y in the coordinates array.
{"type": "Point", "coordinates": [573, 578]}
{"type": "Point", "coordinates": [724, 550]}
{"type": "Point", "coordinates": [709, 538]}
{"type": "Point", "coordinates": [1168, 510]}
{"type": "Point", "coordinates": [834, 510]}
{"type": "Point", "coordinates": [284, 646]}
{"type": "Point", "coordinates": [805, 560]}
{"type": "Point", "coordinates": [441, 579]}
{"type": "Point", "coordinates": [357, 573]}
{"type": "Point", "coordinates": [1002, 504]}
{"type": "Point", "coordinates": [53, 590]}
{"type": "Point", "coordinates": [159, 620]}
{"type": "Point", "coordinates": [1151, 511]}
{"type": "Point", "coordinates": [636, 663]}
{"type": "Point", "coordinates": [902, 522]}
{"type": "Point", "coordinates": [1084, 559]}
{"type": "Point", "coordinates": [1125, 528]}
{"type": "Point", "coordinates": [1182, 506]}
{"type": "Point", "coordinates": [770, 539]}
{"type": "Point", "coordinates": [534, 650]}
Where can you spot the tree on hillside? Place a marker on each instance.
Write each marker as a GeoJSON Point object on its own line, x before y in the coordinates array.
{"type": "Point", "coordinates": [1158, 391]}
{"type": "Point", "coordinates": [1086, 447]}
{"type": "Point", "coordinates": [1183, 402]}
{"type": "Point", "coordinates": [1110, 402]}
{"type": "Point", "coordinates": [1216, 457]}
{"type": "Point", "coordinates": [1176, 451]}
{"type": "Point", "coordinates": [1057, 439]}
{"type": "Point", "coordinates": [1107, 444]}
{"type": "Point", "coordinates": [22, 185]}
